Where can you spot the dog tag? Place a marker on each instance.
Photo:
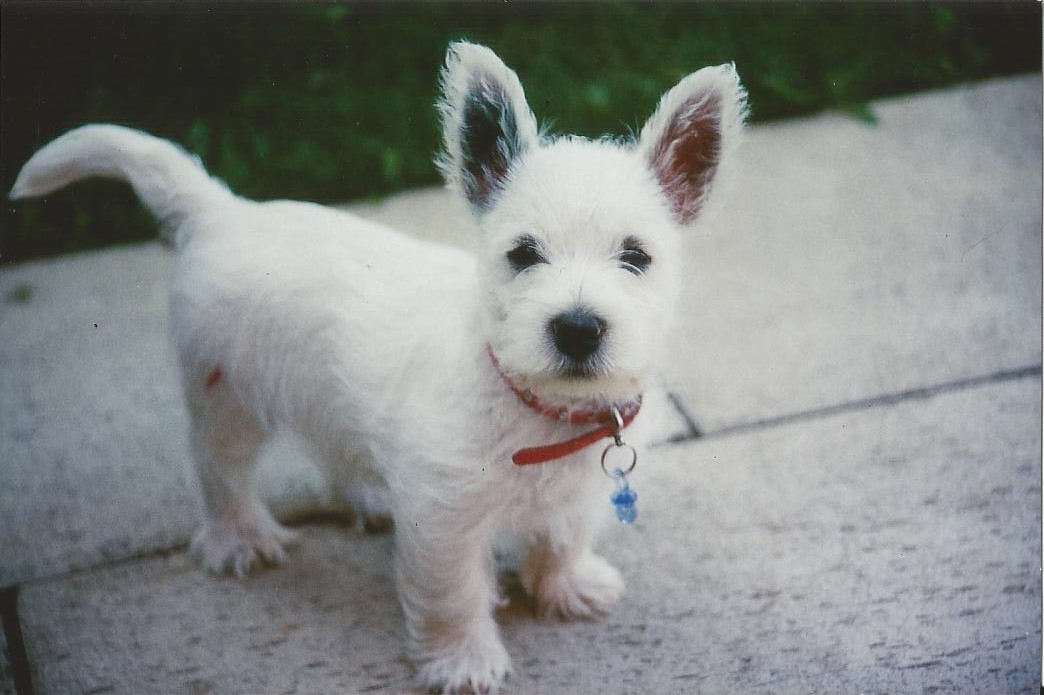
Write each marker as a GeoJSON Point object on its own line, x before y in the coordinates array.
{"type": "Point", "coordinates": [624, 499]}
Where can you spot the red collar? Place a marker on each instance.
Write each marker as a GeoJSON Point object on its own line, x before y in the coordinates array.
{"type": "Point", "coordinates": [602, 415]}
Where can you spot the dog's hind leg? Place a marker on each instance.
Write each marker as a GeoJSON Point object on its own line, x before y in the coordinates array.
{"type": "Point", "coordinates": [238, 531]}
{"type": "Point", "coordinates": [365, 494]}
{"type": "Point", "coordinates": [362, 490]}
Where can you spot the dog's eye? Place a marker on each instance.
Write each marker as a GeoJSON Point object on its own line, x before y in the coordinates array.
{"type": "Point", "coordinates": [525, 254]}
{"type": "Point", "coordinates": [633, 258]}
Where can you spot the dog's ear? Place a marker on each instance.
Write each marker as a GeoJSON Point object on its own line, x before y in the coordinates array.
{"type": "Point", "coordinates": [486, 124]}
{"type": "Point", "coordinates": [689, 138]}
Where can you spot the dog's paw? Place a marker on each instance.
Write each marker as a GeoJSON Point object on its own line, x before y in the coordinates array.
{"type": "Point", "coordinates": [481, 666]}
{"type": "Point", "coordinates": [226, 548]}
{"type": "Point", "coordinates": [584, 589]}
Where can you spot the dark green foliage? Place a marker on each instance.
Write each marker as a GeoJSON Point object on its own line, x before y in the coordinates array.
{"type": "Point", "coordinates": [335, 102]}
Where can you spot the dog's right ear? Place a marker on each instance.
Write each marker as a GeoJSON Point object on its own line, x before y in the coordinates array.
{"type": "Point", "coordinates": [486, 123]}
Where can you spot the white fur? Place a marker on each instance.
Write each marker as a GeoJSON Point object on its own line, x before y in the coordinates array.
{"type": "Point", "coordinates": [372, 347]}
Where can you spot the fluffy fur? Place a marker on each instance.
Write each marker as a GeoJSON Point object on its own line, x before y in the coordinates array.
{"type": "Point", "coordinates": [372, 346]}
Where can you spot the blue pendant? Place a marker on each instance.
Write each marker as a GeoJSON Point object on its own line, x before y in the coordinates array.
{"type": "Point", "coordinates": [624, 499]}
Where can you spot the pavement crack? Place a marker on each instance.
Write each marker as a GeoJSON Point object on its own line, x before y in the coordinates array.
{"type": "Point", "coordinates": [860, 405]}
{"type": "Point", "coordinates": [16, 655]}
{"type": "Point", "coordinates": [692, 430]}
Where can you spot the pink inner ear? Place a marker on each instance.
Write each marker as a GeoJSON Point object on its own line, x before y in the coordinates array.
{"type": "Point", "coordinates": [687, 153]}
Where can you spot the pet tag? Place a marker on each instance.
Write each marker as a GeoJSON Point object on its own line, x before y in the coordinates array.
{"type": "Point", "coordinates": [623, 498]}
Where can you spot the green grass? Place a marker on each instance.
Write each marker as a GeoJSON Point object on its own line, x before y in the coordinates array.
{"type": "Point", "coordinates": [335, 102]}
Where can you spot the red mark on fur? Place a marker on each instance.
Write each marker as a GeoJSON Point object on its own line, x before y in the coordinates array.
{"type": "Point", "coordinates": [212, 378]}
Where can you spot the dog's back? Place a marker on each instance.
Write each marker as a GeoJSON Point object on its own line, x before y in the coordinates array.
{"type": "Point", "coordinates": [276, 293]}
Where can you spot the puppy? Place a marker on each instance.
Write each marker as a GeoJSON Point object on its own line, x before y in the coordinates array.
{"type": "Point", "coordinates": [461, 394]}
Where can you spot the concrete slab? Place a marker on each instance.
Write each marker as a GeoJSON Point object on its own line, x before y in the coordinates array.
{"type": "Point", "coordinates": [852, 259]}
{"type": "Point", "coordinates": [895, 550]}
{"type": "Point", "coordinates": [326, 623]}
{"type": "Point", "coordinates": [90, 423]}
{"type": "Point", "coordinates": [890, 550]}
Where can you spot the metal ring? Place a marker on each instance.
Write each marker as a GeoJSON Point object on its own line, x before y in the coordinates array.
{"type": "Point", "coordinates": [634, 459]}
{"type": "Point", "coordinates": [619, 419]}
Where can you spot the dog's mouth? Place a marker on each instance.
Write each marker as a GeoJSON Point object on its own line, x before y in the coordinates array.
{"type": "Point", "coordinates": [591, 380]}
{"type": "Point", "coordinates": [587, 370]}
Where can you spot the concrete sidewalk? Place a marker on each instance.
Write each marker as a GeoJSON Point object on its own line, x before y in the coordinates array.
{"type": "Point", "coordinates": [859, 354]}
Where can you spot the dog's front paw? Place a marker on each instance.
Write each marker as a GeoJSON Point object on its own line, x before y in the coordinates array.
{"type": "Point", "coordinates": [586, 588]}
{"type": "Point", "coordinates": [480, 666]}
{"type": "Point", "coordinates": [229, 548]}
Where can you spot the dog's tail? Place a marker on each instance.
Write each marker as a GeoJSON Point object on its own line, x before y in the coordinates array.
{"type": "Point", "coordinates": [170, 182]}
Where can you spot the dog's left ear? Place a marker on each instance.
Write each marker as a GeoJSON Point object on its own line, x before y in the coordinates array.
{"type": "Point", "coordinates": [486, 123]}
{"type": "Point", "coordinates": [691, 134]}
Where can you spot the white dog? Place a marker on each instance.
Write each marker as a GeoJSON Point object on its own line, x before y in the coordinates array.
{"type": "Point", "coordinates": [417, 372]}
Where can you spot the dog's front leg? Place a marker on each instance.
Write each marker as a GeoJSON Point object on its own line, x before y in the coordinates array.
{"type": "Point", "coordinates": [565, 576]}
{"type": "Point", "coordinates": [447, 586]}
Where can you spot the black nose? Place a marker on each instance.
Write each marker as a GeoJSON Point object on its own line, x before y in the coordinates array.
{"type": "Point", "coordinates": [577, 333]}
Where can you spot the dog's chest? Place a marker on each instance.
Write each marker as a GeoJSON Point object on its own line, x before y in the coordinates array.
{"type": "Point", "coordinates": [536, 494]}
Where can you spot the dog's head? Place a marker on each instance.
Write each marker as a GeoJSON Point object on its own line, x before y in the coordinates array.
{"type": "Point", "coordinates": [580, 257]}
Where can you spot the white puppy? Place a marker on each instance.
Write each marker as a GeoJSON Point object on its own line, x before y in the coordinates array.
{"type": "Point", "coordinates": [416, 372]}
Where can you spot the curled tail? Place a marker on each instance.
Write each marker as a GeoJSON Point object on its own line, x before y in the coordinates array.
{"type": "Point", "coordinates": [169, 181]}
